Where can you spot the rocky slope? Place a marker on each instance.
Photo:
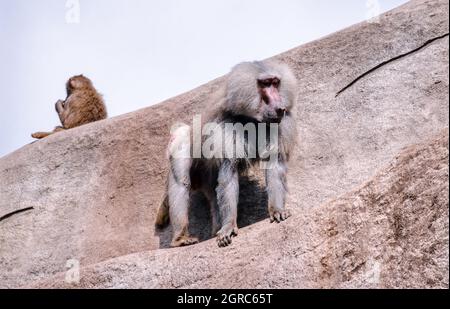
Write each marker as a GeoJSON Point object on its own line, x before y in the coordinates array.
{"type": "Point", "coordinates": [91, 193]}
{"type": "Point", "coordinates": [392, 232]}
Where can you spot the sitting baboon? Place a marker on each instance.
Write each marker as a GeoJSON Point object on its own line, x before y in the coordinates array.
{"type": "Point", "coordinates": [82, 105]}
{"type": "Point", "coordinates": [255, 93]}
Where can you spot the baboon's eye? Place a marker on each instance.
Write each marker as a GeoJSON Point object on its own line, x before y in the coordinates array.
{"type": "Point", "coordinates": [264, 83]}
{"type": "Point", "coordinates": [276, 82]}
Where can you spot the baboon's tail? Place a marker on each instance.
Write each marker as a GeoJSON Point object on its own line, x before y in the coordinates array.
{"type": "Point", "coordinates": [162, 218]}
{"type": "Point", "coordinates": [40, 135]}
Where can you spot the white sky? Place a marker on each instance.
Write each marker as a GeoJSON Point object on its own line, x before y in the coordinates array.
{"type": "Point", "coordinates": [140, 52]}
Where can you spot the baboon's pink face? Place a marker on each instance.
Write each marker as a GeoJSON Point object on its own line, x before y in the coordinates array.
{"type": "Point", "coordinates": [272, 106]}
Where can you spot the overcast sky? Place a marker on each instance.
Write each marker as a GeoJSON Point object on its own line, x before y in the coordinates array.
{"type": "Point", "coordinates": [140, 52]}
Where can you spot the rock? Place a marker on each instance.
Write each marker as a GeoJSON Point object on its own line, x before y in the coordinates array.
{"type": "Point", "coordinates": [392, 232]}
{"type": "Point", "coordinates": [94, 190]}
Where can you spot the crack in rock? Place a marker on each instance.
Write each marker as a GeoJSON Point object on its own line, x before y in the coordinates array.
{"type": "Point", "coordinates": [15, 213]}
{"type": "Point", "coordinates": [389, 61]}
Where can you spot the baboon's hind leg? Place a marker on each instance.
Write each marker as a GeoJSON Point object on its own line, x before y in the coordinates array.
{"type": "Point", "coordinates": [40, 135]}
{"type": "Point", "coordinates": [179, 202]}
{"type": "Point", "coordinates": [211, 197]}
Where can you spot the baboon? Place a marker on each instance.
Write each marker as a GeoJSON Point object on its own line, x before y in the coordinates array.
{"type": "Point", "coordinates": [82, 105]}
{"type": "Point", "coordinates": [260, 92]}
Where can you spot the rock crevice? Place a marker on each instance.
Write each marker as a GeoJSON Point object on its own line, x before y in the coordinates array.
{"type": "Point", "coordinates": [389, 61]}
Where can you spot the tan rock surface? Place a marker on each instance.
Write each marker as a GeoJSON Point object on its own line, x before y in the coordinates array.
{"type": "Point", "coordinates": [392, 232]}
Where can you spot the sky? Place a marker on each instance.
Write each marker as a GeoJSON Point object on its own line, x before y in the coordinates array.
{"type": "Point", "coordinates": [141, 52]}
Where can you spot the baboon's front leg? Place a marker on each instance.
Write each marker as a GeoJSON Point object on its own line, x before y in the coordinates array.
{"type": "Point", "coordinates": [227, 199]}
{"type": "Point", "coordinates": [276, 191]}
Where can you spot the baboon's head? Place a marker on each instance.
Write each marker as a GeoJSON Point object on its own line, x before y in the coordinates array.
{"type": "Point", "coordinates": [78, 82]}
{"type": "Point", "coordinates": [262, 90]}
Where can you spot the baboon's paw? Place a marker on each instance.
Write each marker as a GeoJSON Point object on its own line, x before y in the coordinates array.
{"type": "Point", "coordinates": [184, 241]}
{"type": "Point", "coordinates": [278, 216]}
{"type": "Point", "coordinates": [225, 235]}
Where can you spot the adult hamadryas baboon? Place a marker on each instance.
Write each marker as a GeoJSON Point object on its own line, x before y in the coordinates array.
{"type": "Point", "coordinates": [256, 95]}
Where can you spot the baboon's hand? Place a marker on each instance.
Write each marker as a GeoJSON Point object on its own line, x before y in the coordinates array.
{"type": "Point", "coordinates": [278, 216]}
{"type": "Point", "coordinates": [225, 234]}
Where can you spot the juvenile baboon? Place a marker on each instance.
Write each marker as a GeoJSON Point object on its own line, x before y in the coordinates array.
{"type": "Point", "coordinates": [254, 93]}
{"type": "Point", "coordinates": [82, 105]}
